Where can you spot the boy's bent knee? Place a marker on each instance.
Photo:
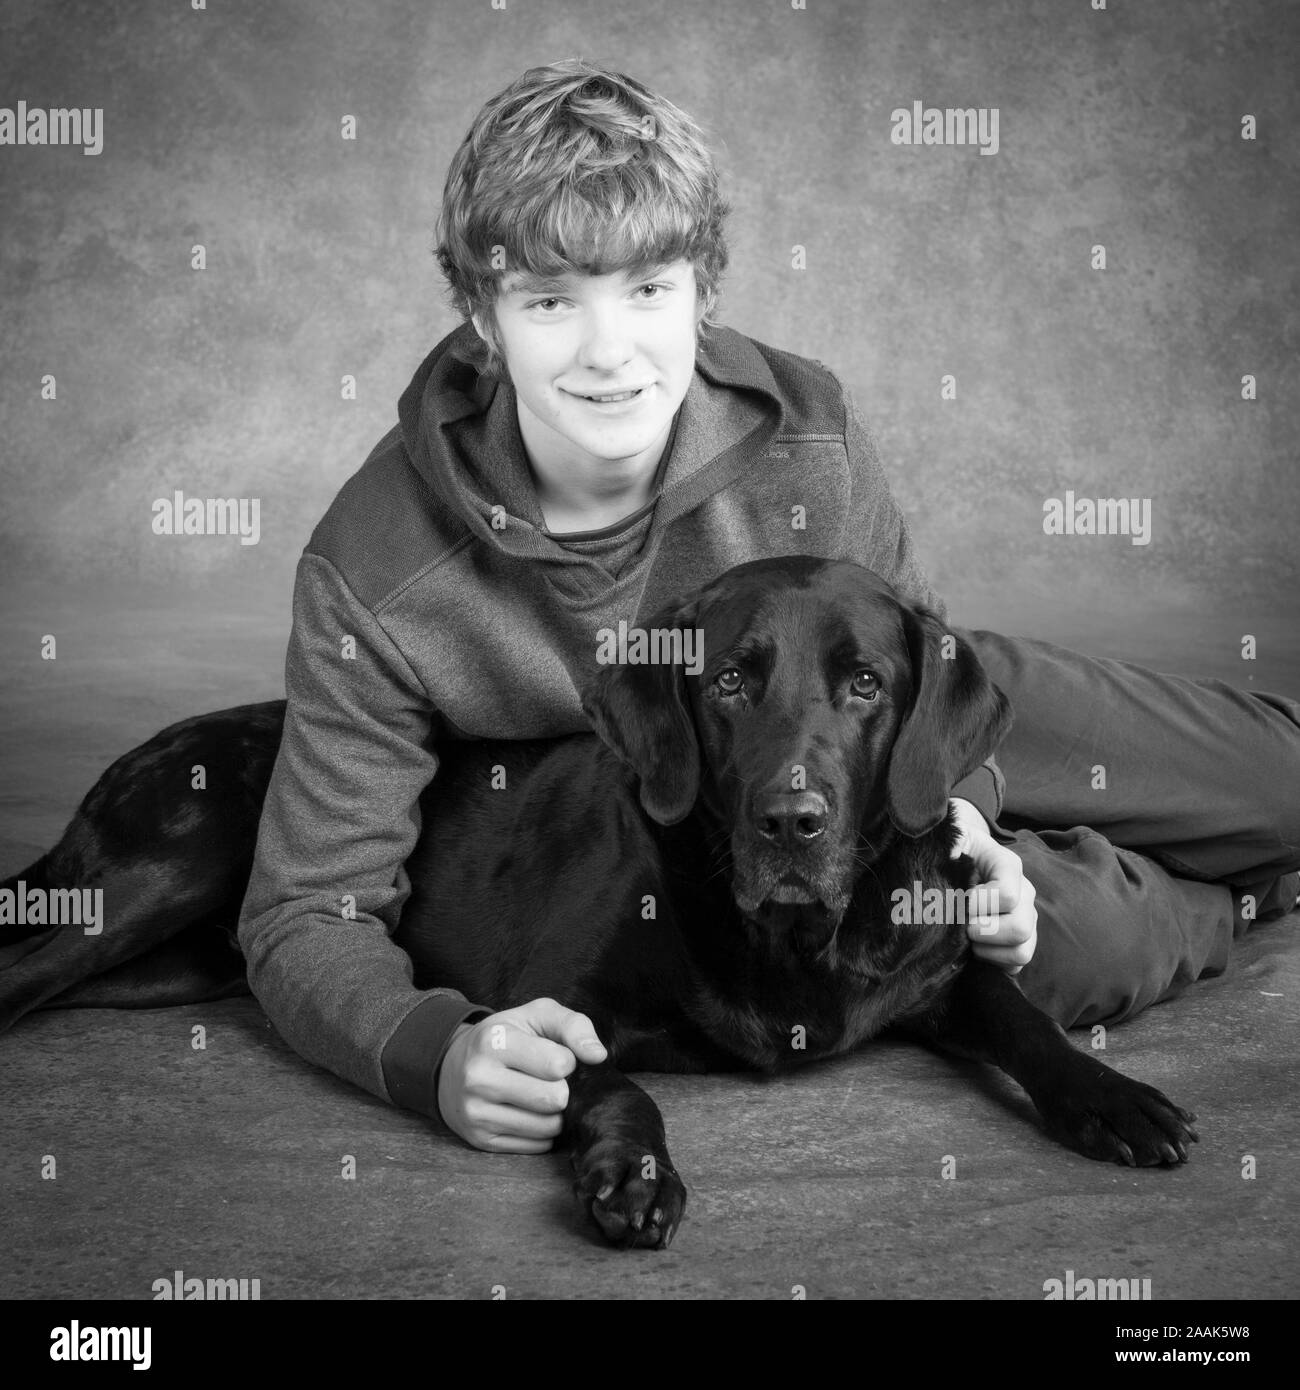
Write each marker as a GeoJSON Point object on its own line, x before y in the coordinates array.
{"type": "Point", "coordinates": [1116, 932]}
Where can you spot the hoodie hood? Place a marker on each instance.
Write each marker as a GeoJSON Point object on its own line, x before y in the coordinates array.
{"type": "Point", "coordinates": [460, 426]}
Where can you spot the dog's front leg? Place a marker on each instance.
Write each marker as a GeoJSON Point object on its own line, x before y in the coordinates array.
{"type": "Point", "coordinates": [1086, 1104]}
{"type": "Point", "coordinates": [622, 1173]}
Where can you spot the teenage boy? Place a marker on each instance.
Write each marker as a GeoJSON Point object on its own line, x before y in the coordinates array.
{"type": "Point", "coordinates": [586, 446]}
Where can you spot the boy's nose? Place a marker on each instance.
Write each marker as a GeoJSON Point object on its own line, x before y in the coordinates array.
{"type": "Point", "coordinates": [606, 341]}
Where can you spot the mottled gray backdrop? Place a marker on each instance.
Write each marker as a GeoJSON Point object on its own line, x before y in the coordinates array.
{"type": "Point", "coordinates": [1118, 127]}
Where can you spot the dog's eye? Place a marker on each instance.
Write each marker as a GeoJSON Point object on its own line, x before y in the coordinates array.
{"type": "Point", "coordinates": [729, 682]}
{"type": "Point", "coordinates": [865, 685]}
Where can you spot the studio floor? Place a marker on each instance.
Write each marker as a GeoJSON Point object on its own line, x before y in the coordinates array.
{"type": "Point", "coordinates": [228, 1162]}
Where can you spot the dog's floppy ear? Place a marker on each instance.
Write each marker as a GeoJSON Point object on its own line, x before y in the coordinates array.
{"type": "Point", "coordinates": [957, 718]}
{"type": "Point", "coordinates": [642, 712]}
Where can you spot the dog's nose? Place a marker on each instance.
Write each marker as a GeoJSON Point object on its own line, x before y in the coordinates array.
{"type": "Point", "coordinates": [791, 818]}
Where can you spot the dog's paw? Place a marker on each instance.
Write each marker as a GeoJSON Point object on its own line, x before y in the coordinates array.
{"type": "Point", "coordinates": [1116, 1119]}
{"type": "Point", "coordinates": [635, 1197]}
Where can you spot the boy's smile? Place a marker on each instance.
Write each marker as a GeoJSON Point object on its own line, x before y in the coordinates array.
{"type": "Point", "coordinates": [600, 364]}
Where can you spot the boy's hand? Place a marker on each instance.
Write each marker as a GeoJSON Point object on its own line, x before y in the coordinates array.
{"type": "Point", "coordinates": [1006, 936]}
{"type": "Point", "coordinates": [501, 1086]}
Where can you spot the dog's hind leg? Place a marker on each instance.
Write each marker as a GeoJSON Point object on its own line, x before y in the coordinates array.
{"type": "Point", "coordinates": [161, 844]}
{"type": "Point", "coordinates": [198, 964]}
{"type": "Point", "coordinates": [143, 903]}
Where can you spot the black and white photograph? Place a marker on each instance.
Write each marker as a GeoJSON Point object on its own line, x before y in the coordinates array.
{"type": "Point", "coordinates": [651, 651]}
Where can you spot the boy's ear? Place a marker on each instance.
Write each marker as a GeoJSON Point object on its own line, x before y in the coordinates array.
{"type": "Point", "coordinates": [643, 713]}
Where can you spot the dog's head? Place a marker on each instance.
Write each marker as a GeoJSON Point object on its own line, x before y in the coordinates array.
{"type": "Point", "coordinates": [826, 716]}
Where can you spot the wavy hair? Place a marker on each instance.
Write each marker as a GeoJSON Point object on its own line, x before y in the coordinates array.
{"type": "Point", "coordinates": [574, 168]}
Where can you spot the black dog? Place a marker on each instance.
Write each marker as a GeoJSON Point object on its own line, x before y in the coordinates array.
{"type": "Point", "coordinates": [766, 810]}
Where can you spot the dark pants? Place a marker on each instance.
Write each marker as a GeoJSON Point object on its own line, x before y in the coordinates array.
{"type": "Point", "coordinates": [1140, 884]}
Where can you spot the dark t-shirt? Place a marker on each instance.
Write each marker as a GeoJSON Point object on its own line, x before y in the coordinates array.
{"type": "Point", "coordinates": [615, 547]}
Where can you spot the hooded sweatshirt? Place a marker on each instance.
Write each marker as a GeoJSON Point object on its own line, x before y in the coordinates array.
{"type": "Point", "coordinates": [431, 603]}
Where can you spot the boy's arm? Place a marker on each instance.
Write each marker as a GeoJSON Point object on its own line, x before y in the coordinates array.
{"type": "Point", "coordinates": [876, 535]}
{"type": "Point", "coordinates": [341, 818]}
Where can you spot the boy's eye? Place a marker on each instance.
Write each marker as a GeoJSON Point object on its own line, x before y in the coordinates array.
{"type": "Point", "coordinates": [657, 292]}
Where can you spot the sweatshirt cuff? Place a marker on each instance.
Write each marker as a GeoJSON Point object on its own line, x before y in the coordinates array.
{"type": "Point", "coordinates": [983, 788]}
{"type": "Point", "coordinates": [414, 1053]}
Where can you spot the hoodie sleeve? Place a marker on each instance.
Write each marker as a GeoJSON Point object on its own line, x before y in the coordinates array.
{"type": "Point", "coordinates": [328, 883]}
{"type": "Point", "coordinates": [876, 535]}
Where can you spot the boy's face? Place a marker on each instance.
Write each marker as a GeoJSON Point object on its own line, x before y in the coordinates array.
{"type": "Point", "coordinates": [579, 336]}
